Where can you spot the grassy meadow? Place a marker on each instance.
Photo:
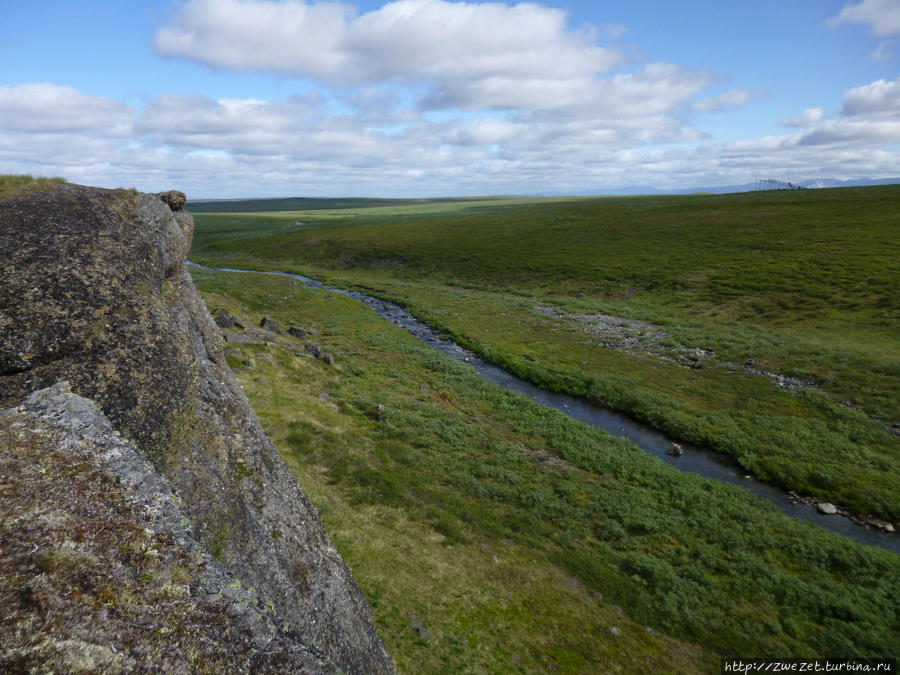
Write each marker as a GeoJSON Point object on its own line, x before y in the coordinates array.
{"type": "Point", "coordinates": [492, 535]}
{"type": "Point", "coordinates": [800, 284]}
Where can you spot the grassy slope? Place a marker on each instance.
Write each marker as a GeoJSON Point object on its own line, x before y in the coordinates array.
{"type": "Point", "coordinates": [801, 283]}
{"type": "Point", "coordinates": [508, 531]}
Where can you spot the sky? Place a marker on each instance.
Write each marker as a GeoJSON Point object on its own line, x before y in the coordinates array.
{"type": "Point", "coordinates": [413, 98]}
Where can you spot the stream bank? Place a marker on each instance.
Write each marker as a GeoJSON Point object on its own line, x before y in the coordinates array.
{"type": "Point", "coordinates": [702, 461]}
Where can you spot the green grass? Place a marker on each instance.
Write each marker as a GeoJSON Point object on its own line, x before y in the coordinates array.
{"type": "Point", "coordinates": [800, 283]}
{"type": "Point", "coordinates": [317, 204]}
{"type": "Point", "coordinates": [518, 537]}
{"type": "Point", "coordinates": [12, 185]}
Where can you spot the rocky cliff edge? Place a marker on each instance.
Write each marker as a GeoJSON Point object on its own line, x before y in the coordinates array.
{"type": "Point", "coordinates": [146, 520]}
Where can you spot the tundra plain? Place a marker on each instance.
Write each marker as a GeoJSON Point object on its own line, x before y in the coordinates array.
{"type": "Point", "coordinates": [490, 534]}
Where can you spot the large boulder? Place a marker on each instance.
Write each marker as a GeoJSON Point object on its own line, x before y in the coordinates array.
{"type": "Point", "coordinates": [93, 291]}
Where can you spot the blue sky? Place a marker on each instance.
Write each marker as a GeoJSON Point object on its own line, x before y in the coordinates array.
{"type": "Point", "coordinates": [238, 98]}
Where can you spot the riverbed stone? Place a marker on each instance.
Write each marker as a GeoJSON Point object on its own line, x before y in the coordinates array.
{"type": "Point", "coordinates": [675, 450]}
{"type": "Point", "coordinates": [826, 508]}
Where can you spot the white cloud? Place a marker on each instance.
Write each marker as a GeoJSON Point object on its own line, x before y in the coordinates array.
{"type": "Point", "coordinates": [878, 99]}
{"type": "Point", "coordinates": [658, 88]}
{"type": "Point", "coordinates": [853, 132]}
{"type": "Point", "coordinates": [287, 37]}
{"type": "Point", "coordinates": [49, 107]}
{"type": "Point", "coordinates": [881, 17]}
{"type": "Point", "coordinates": [371, 142]}
{"type": "Point", "coordinates": [869, 117]}
{"type": "Point", "coordinates": [522, 61]}
{"type": "Point", "coordinates": [489, 131]}
{"type": "Point", "coordinates": [807, 118]}
{"type": "Point", "coordinates": [435, 41]}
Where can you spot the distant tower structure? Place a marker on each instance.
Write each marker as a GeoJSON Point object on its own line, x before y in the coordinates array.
{"type": "Point", "coordinates": [774, 184]}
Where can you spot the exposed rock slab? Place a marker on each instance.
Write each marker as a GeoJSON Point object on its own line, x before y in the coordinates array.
{"type": "Point", "coordinates": [95, 544]}
{"type": "Point", "coordinates": [94, 292]}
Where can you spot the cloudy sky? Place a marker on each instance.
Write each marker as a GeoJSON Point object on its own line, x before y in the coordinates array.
{"type": "Point", "coordinates": [240, 98]}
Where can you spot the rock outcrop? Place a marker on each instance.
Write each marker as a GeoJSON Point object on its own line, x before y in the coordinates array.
{"type": "Point", "coordinates": [93, 292]}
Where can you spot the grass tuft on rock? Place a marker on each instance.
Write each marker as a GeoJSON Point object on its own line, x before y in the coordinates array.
{"type": "Point", "coordinates": [12, 185]}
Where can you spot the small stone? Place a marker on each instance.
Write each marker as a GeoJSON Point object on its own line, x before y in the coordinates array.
{"type": "Point", "coordinates": [675, 450]}
{"type": "Point", "coordinates": [826, 508]}
{"type": "Point", "coordinates": [297, 332]}
{"type": "Point", "coordinates": [614, 631]}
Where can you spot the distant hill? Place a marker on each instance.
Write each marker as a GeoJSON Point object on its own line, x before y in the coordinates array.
{"type": "Point", "coordinates": [813, 183]}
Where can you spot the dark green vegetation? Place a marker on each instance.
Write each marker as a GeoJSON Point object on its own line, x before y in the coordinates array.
{"type": "Point", "coordinates": [11, 185]}
{"type": "Point", "coordinates": [667, 308]}
{"type": "Point", "coordinates": [510, 533]}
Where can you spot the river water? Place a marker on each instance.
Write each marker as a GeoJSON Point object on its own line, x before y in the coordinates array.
{"type": "Point", "coordinates": [704, 462]}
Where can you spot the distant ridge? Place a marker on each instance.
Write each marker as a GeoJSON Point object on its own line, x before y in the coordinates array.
{"type": "Point", "coordinates": [324, 203]}
{"type": "Point", "coordinates": [812, 183]}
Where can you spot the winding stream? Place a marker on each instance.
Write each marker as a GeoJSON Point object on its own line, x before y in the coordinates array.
{"type": "Point", "coordinates": [704, 462]}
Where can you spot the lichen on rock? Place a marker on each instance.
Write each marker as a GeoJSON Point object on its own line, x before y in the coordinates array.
{"type": "Point", "coordinates": [95, 545]}
{"type": "Point", "coordinates": [94, 292]}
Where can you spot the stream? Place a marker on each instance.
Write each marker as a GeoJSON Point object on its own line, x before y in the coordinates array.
{"type": "Point", "coordinates": [702, 461]}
